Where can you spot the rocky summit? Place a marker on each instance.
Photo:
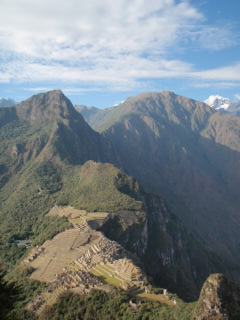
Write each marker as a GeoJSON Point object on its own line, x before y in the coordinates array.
{"type": "Point", "coordinates": [219, 299]}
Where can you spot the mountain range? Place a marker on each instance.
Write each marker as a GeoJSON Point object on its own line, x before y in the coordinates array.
{"type": "Point", "coordinates": [173, 160]}
{"type": "Point", "coordinates": [4, 103]}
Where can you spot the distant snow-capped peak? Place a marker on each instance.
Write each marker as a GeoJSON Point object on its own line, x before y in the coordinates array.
{"type": "Point", "coordinates": [217, 102]}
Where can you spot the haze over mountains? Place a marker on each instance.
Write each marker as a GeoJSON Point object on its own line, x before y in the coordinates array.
{"type": "Point", "coordinates": [183, 151]}
{"type": "Point", "coordinates": [4, 103]}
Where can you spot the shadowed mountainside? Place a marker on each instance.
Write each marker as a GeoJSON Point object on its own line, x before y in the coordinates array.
{"type": "Point", "coordinates": [186, 152]}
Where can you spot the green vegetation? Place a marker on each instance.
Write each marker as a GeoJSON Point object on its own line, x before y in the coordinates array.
{"type": "Point", "coordinates": [22, 213]}
{"type": "Point", "coordinates": [7, 295]}
{"type": "Point", "coordinates": [34, 191]}
{"type": "Point", "coordinates": [16, 290]}
{"type": "Point", "coordinates": [100, 272]}
{"type": "Point", "coordinates": [108, 306]}
{"type": "Point", "coordinates": [11, 253]}
{"type": "Point", "coordinates": [97, 305]}
{"type": "Point", "coordinates": [50, 178]}
{"type": "Point", "coordinates": [49, 228]}
{"type": "Point", "coordinates": [30, 187]}
{"type": "Point", "coordinates": [95, 188]}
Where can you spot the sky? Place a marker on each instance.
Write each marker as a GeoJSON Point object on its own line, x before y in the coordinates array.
{"type": "Point", "coordinates": [99, 52]}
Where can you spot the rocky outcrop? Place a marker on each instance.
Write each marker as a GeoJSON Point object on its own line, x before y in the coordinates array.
{"type": "Point", "coordinates": [219, 299]}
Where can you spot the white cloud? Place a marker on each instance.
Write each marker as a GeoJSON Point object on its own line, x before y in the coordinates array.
{"type": "Point", "coordinates": [120, 73]}
{"type": "Point", "coordinates": [38, 89]}
{"type": "Point", "coordinates": [211, 99]}
{"type": "Point", "coordinates": [227, 73]}
{"type": "Point", "coordinates": [104, 43]}
{"type": "Point", "coordinates": [54, 27]}
{"type": "Point", "coordinates": [215, 85]}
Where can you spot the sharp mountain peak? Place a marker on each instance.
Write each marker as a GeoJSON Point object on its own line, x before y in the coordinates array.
{"type": "Point", "coordinates": [50, 105]}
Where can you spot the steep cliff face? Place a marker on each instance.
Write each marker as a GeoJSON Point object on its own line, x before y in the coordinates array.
{"type": "Point", "coordinates": [171, 255]}
{"type": "Point", "coordinates": [219, 299]}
